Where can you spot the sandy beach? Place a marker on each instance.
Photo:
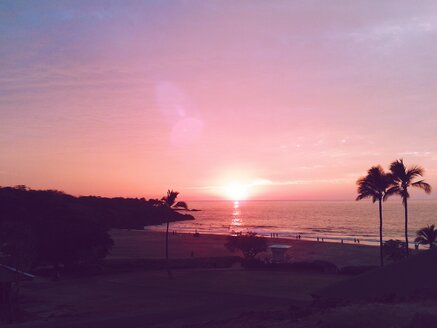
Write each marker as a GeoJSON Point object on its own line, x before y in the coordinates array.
{"type": "Point", "coordinates": [136, 244]}
{"type": "Point", "coordinates": [201, 297]}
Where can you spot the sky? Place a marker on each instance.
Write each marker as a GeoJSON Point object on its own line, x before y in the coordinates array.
{"type": "Point", "coordinates": [215, 99]}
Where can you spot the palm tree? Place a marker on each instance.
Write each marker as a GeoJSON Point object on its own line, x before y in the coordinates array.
{"type": "Point", "coordinates": [374, 185]}
{"type": "Point", "coordinates": [170, 201]}
{"type": "Point", "coordinates": [403, 178]}
{"type": "Point", "coordinates": [427, 236]}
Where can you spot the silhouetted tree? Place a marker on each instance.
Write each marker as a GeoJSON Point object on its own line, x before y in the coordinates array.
{"type": "Point", "coordinates": [374, 185]}
{"type": "Point", "coordinates": [249, 244]}
{"type": "Point", "coordinates": [19, 242]}
{"type": "Point", "coordinates": [182, 205]}
{"type": "Point", "coordinates": [169, 201]}
{"type": "Point", "coordinates": [394, 250]}
{"type": "Point", "coordinates": [403, 178]}
{"type": "Point", "coordinates": [50, 227]}
{"type": "Point", "coordinates": [427, 236]}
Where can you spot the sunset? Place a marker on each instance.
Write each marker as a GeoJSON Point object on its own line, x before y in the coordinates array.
{"type": "Point", "coordinates": [130, 99]}
{"type": "Point", "coordinates": [284, 152]}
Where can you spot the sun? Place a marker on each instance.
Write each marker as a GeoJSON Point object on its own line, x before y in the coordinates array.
{"type": "Point", "coordinates": [237, 191]}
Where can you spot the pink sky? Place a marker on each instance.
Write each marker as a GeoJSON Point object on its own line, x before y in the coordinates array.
{"type": "Point", "coordinates": [286, 99]}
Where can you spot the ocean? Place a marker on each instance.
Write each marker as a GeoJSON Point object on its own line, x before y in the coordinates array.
{"type": "Point", "coordinates": [331, 220]}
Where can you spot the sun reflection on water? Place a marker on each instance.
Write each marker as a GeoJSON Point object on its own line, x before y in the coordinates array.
{"type": "Point", "coordinates": [236, 221]}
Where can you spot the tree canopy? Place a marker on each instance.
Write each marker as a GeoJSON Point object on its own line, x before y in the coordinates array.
{"type": "Point", "coordinates": [51, 227]}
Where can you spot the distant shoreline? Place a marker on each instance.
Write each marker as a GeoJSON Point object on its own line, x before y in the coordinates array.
{"type": "Point", "coordinates": [328, 239]}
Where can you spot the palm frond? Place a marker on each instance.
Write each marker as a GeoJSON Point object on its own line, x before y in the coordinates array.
{"type": "Point", "coordinates": [362, 196]}
{"type": "Point", "coordinates": [414, 172]}
{"type": "Point", "coordinates": [398, 170]}
{"type": "Point", "coordinates": [181, 205]}
{"type": "Point", "coordinates": [395, 190]}
{"type": "Point", "coordinates": [170, 199]}
{"type": "Point", "coordinates": [427, 235]}
{"type": "Point", "coordinates": [404, 178]}
{"type": "Point", "coordinates": [373, 185]}
{"type": "Point", "coordinates": [423, 185]}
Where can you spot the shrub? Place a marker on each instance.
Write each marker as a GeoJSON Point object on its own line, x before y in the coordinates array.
{"type": "Point", "coordinates": [249, 244]}
{"type": "Point", "coordinates": [394, 250]}
{"type": "Point", "coordinates": [49, 227]}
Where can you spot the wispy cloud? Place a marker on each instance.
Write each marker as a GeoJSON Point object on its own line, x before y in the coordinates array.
{"type": "Point", "coordinates": [416, 153]}
{"type": "Point", "coordinates": [267, 182]}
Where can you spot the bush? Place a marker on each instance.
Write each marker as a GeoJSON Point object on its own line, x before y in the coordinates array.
{"type": "Point", "coordinates": [249, 244]}
{"type": "Point", "coordinates": [394, 250]}
{"type": "Point", "coordinates": [49, 227]}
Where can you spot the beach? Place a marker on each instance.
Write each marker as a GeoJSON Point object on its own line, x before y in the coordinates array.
{"type": "Point", "coordinates": [202, 297]}
{"type": "Point", "coordinates": [137, 244]}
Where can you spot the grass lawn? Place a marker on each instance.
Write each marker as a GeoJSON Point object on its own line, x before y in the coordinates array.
{"type": "Point", "coordinates": [140, 297]}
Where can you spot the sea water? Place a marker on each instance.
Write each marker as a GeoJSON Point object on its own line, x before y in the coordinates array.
{"type": "Point", "coordinates": [330, 220]}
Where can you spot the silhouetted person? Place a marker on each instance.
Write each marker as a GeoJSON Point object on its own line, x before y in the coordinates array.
{"type": "Point", "coordinates": [317, 238]}
{"type": "Point", "coordinates": [342, 241]}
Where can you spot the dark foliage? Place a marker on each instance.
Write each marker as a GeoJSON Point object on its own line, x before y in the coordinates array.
{"type": "Point", "coordinates": [375, 186]}
{"type": "Point", "coordinates": [394, 250]}
{"type": "Point", "coordinates": [50, 227]}
{"type": "Point", "coordinates": [427, 236]}
{"type": "Point", "coordinates": [249, 244]}
{"type": "Point", "coordinates": [121, 213]}
{"type": "Point", "coordinates": [404, 178]}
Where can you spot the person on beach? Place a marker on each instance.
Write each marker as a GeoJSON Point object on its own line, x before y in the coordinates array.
{"type": "Point", "coordinates": [342, 241]}
{"type": "Point", "coordinates": [317, 238]}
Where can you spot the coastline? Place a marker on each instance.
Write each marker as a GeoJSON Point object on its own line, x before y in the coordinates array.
{"type": "Point", "coordinates": [136, 244]}
{"type": "Point", "coordinates": [331, 220]}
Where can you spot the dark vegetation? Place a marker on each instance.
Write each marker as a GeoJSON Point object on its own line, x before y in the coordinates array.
{"type": "Point", "coordinates": [403, 179]}
{"type": "Point", "coordinates": [249, 244]}
{"type": "Point", "coordinates": [379, 186]}
{"type": "Point", "coordinates": [49, 227]}
{"type": "Point", "coordinates": [427, 236]}
{"type": "Point", "coordinates": [374, 185]}
{"type": "Point", "coordinates": [394, 250]}
{"type": "Point", "coordinates": [169, 202]}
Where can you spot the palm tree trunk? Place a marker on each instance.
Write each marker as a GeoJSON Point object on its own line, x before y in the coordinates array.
{"type": "Point", "coordinates": [167, 264]}
{"type": "Point", "coordinates": [380, 234]}
{"type": "Point", "coordinates": [406, 226]}
{"type": "Point", "coordinates": [166, 243]}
